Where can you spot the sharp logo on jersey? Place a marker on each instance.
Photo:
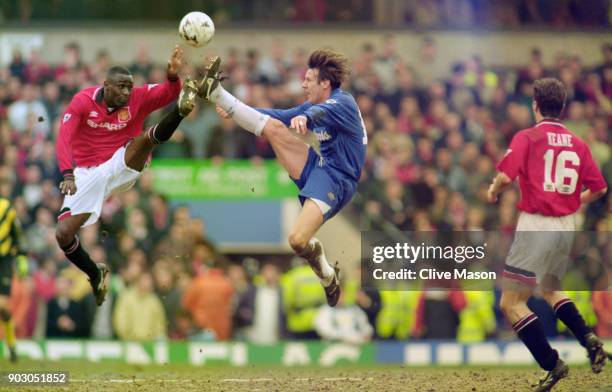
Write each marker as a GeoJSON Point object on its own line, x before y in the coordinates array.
{"type": "Point", "coordinates": [323, 136]}
{"type": "Point", "coordinates": [124, 115]}
{"type": "Point", "coordinates": [93, 113]}
{"type": "Point", "coordinates": [66, 117]}
{"type": "Point", "coordinates": [107, 125]}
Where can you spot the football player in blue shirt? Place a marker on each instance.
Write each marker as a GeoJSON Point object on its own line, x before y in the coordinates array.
{"type": "Point", "coordinates": [327, 181]}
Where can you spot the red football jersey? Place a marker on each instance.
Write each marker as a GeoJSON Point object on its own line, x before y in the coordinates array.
{"type": "Point", "coordinates": [89, 134]}
{"type": "Point", "coordinates": [553, 166]}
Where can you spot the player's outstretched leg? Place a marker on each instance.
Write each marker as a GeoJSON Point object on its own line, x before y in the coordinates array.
{"type": "Point", "coordinates": [566, 311]}
{"type": "Point", "coordinates": [186, 100]}
{"type": "Point", "coordinates": [9, 327]}
{"type": "Point", "coordinates": [290, 151]}
{"type": "Point", "coordinates": [67, 239]}
{"type": "Point", "coordinates": [211, 79]}
{"type": "Point", "coordinates": [305, 245]}
{"type": "Point", "coordinates": [210, 89]}
{"type": "Point", "coordinates": [527, 326]}
{"type": "Point", "coordinates": [137, 152]}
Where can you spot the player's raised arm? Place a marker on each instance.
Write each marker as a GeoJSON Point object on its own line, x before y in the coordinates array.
{"type": "Point", "coordinates": [174, 63]}
{"type": "Point", "coordinates": [160, 95]}
{"type": "Point", "coordinates": [68, 126]}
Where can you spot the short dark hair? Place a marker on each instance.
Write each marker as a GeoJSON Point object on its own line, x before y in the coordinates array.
{"type": "Point", "coordinates": [117, 70]}
{"type": "Point", "coordinates": [550, 95]}
{"type": "Point", "coordinates": [332, 66]}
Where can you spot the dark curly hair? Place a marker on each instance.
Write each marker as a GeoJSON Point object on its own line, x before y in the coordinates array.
{"type": "Point", "coordinates": [332, 66]}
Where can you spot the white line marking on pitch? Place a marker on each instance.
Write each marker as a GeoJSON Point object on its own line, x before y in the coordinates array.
{"type": "Point", "coordinates": [237, 380]}
{"type": "Point", "coordinates": [246, 379]}
{"type": "Point", "coordinates": [298, 379]}
{"type": "Point", "coordinates": [130, 380]}
{"type": "Point", "coordinates": [348, 379]}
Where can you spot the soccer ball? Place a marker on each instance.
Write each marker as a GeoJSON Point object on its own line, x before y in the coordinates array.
{"type": "Point", "coordinates": [196, 29]}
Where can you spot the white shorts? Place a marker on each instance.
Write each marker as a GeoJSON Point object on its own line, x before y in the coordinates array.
{"type": "Point", "coordinates": [95, 184]}
{"type": "Point", "coordinates": [541, 248]}
{"type": "Point", "coordinates": [536, 222]}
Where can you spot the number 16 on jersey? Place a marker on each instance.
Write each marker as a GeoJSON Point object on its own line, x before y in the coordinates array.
{"type": "Point", "coordinates": [562, 174]}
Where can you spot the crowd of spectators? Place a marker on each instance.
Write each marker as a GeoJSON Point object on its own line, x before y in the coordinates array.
{"type": "Point", "coordinates": [434, 141]}
{"type": "Point", "coordinates": [414, 13]}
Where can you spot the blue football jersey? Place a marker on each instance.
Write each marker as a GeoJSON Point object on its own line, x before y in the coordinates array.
{"type": "Point", "coordinates": [338, 126]}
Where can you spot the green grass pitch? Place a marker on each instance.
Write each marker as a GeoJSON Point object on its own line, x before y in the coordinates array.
{"type": "Point", "coordinates": [112, 376]}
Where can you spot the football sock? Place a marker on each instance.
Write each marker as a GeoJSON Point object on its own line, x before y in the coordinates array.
{"type": "Point", "coordinates": [9, 328]}
{"type": "Point", "coordinates": [529, 329]}
{"type": "Point", "coordinates": [163, 130]}
{"type": "Point", "coordinates": [77, 255]}
{"type": "Point", "coordinates": [247, 117]}
{"type": "Point", "coordinates": [566, 311]}
{"type": "Point", "coordinates": [326, 270]}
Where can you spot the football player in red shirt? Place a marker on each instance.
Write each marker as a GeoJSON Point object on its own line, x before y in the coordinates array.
{"type": "Point", "coordinates": [101, 150]}
{"type": "Point", "coordinates": [553, 166]}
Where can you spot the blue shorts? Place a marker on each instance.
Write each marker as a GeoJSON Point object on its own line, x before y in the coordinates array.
{"type": "Point", "coordinates": [316, 183]}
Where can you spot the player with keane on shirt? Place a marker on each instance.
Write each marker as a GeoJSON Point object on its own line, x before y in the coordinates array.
{"type": "Point", "coordinates": [101, 150]}
{"type": "Point", "coordinates": [553, 166]}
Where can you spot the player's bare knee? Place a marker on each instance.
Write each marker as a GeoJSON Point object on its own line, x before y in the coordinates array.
{"type": "Point", "coordinates": [552, 296]}
{"type": "Point", "coordinates": [547, 295]}
{"type": "Point", "coordinates": [298, 241]}
{"type": "Point", "coordinates": [508, 304]}
{"type": "Point", "coordinates": [273, 129]}
{"type": "Point", "coordinates": [137, 153]}
{"type": "Point", "coordinates": [64, 234]}
{"type": "Point", "coordinates": [505, 306]}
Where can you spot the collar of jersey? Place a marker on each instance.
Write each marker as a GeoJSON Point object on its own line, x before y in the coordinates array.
{"type": "Point", "coordinates": [550, 121]}
{"type": "Point", "coordinates": [99, 95]}
{"type": "Point", "coordinates": [99, 98]}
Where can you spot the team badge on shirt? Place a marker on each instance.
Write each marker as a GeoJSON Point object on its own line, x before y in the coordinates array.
{"type": "Point", "coordinates": [124, 115]}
